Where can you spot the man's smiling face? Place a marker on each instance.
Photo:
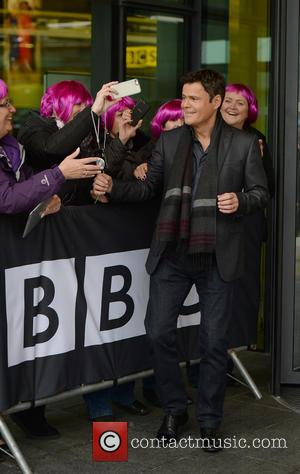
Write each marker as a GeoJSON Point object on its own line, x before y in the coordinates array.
{"type": "Point", "coordinates": [197, 107]}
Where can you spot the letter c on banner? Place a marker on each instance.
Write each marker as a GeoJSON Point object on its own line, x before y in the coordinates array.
{"type": "Point", "coordinates": [42, 308]}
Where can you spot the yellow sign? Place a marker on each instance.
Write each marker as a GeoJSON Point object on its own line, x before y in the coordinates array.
{"type": "Point", "coordinates": [141, 56]}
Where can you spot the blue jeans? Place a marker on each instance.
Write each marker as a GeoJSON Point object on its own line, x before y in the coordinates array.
{"type": "Point", "coordinates": [192, 372]}
{"type": "Point", "coordinates": [99, 403]}
{"type": "Point", "coordinates": [169, 286]}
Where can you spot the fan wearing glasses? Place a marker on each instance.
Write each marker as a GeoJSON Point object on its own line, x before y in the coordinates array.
{"type": "Point", "coordinates": [20, 191]}
{"type": "Point", "coordinates": [17, 179]}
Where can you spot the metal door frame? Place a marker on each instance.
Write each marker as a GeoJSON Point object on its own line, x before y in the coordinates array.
{"type": "Point", "coordinates": [284, 133]}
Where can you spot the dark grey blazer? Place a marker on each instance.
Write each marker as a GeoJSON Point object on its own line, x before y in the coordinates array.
{"type": "Point", "coordinates": [240, 170]}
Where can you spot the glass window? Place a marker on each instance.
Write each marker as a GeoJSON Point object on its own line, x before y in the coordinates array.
{"type": "Point", "coordinates": [154, 55]}
{"type": "Point", "coordinates": [236, 42]}
{"type": "Point", "coordinates": [42, 38]}
{"type": "Point", "coordinates": [215, 50]}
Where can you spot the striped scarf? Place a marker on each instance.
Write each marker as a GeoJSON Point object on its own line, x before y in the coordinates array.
{"type": "Point", "coordinates": [191, 224]}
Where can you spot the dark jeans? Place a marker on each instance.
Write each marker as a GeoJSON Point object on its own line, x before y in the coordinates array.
{"type": "Point", "coordinates": [192, 371]}
{"type": "Point", "coordinates": [169, 286]}
{"type": "Point", "coordinates": [99, 403]}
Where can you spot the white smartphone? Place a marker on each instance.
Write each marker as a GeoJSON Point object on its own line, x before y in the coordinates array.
{"type": "Point", "coordinates": [125, 88]}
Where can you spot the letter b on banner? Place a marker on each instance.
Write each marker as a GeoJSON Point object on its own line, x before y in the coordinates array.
{"type": "Point", "coordinates": [32, 310]}
{"type": "Point", "coordinates": [40, 309]}
{"type": "Point", "coordinates": [109, 296]}
{"type": "Point", "coordinates": [116, 289]}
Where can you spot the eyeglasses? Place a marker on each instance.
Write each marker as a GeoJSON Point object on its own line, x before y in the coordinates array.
{"type": "Point", "coordinates": [7, 104]}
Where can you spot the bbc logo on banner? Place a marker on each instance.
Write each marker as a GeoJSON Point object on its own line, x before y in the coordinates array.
{"type": "Point", "coordinates": [41, 304]}
{"type": "Point", "coordinates": [110, 441]}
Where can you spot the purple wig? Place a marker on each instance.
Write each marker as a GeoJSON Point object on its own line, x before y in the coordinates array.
{"type": "Point", "coordinates": [250, 97]}
{"type": "Point", "coordinates": [3, 89]}
{"type": "Point", "coordinates": [59, 99]}
{"type": "Point", "coordinates": [168, 111]}
{"type": "Point", "coordinates": [109, 116]}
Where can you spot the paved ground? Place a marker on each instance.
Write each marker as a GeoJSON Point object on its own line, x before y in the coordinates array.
{"type": "Point", "coordinates": [244, 417]}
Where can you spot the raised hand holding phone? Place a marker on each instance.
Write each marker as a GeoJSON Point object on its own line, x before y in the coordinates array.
{"type": "Point", "coordinates": [105, 97]}
{"type": "Point", "coordinates": [126, 88]}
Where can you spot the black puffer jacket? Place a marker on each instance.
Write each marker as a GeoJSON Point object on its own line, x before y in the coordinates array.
{"type": "Point", "coordinates": [46, 144]}
{"type": "Point", "coordinates": [137, 151]}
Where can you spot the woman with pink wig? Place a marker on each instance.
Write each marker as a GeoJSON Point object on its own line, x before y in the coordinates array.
{"type": "Point", "coordinates": [69, 118]}
{"type": "Point", "coordinates": [66, 118]}
{"type": "Point", "coordinates": [168, 116]}
{"type": "Point", "coordinates": [19, 180]}
{"type": "Point", "coordinates": [116, 122]}
{"type": "Point", "coordinates": [240, 110]}
{"type": "Point", "coordinates": [20, 191]}
{"type": "Point", "coordinates": [240, 107]}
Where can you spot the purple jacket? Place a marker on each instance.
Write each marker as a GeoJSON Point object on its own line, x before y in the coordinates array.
{"type": "Point", "coordinates": [24, 194]}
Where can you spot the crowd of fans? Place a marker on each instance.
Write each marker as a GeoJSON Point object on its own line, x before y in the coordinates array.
{"type": "Point", "coordinates": [56, 155]}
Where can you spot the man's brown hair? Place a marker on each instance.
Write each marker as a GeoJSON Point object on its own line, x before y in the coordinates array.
{"type": "Point", "coordinates": [212, 81]}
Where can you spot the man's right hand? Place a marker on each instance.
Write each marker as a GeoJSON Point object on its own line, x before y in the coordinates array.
{"type": "Point", "coordinates": [103, 183]}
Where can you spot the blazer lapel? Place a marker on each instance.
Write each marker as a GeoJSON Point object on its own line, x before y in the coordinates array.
{"type": "Point", "coordinates": [224, 145]}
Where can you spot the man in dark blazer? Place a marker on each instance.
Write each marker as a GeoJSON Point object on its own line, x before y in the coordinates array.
{"type": "Point", "coordinates": [211, 175]}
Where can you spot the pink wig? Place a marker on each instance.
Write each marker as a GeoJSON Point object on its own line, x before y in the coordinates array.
{"type": "Point", "coordinates": [169, 111]}
{"type": "Point", "coordinates": [59, 99]}
{"type": "Point", "coordinates": [109, 116]}
{"type": "Point", "coordinates": [3, 89]}
{"type": "Point", "coordinates": [250, 97]}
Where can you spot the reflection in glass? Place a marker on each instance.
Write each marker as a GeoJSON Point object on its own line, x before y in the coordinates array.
{"type": "Point", "coordinates": [154, 55]}
{"type": "Point", "coordinates": [236, 41]}
{"type": "Point", "coordinates": [37, 40]}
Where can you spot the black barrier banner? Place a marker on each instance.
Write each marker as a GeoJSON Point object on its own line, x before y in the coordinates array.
{"type": "Point", "coordinates": [73, 300]}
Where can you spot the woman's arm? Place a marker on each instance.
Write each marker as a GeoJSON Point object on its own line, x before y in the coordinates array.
{"type": "Point", "coordinates": [24, 195]}
{"type": "Point", "coordinates": [16, 197]}
{"type": "Point", "coordinates": [47, 145]}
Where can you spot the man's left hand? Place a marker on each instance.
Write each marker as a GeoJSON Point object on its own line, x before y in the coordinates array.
{"type": "Point", "coordinates": [228, 203]}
